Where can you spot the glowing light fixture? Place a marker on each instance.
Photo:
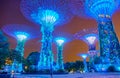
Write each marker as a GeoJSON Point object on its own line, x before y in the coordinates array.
{"type": "Point", "coordinates": [84, 56]}
{"type": "Point", "coordinates": [45, 16]}
{"type": "Point", "coordinates": [60, 41]}
{"type": "Point", "coordinates": [49, 16]}
{"type": "Point", "coordinates": [21, 35]}
{"type": "Point", "coordinates": [91, 39]}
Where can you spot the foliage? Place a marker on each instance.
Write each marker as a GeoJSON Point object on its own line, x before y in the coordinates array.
{"type": "Point", "coordinates": [111, 69]}
{"type": "Point", "coordinates": [13, 54]}
{"type": "Point", "coordinates": [78, 65]}
{"type": "Point", "coordinates": [32, 61]}
{"type": "Point", "coordinates": [98, 60]}
{"type": "Point", "coordinates": [7, 55]}
{"type": "Point", "coordinates": [4, 49]}
{"type": "Point", "coordinates": [33, 58]}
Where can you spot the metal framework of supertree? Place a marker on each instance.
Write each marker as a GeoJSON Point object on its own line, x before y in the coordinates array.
{"type": "Point", "coordinates": [102, 11]}
{"type": "Point", "coordinates": [84, 56]}
{"type": "Point", "coordinates": [48, 13]}
{"type": "Point", "coordinates": [22, 33]}
{"type": "Point", "coordinates": [90, 37]}
{"type": "Point", "coordinates": [61, 38]}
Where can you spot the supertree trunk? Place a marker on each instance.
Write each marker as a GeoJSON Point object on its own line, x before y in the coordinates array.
{"type": "Point", "coordinates": [92, 56]}
{"type": "Point", "coordinates": [46, 55]}
{"type": "Point", "coordinates": [20, 47]}
{"type": "Point", "coordinates": [92, 47]}
{"type": "Point", "coordinates": [85, 65]}
{"type": "Point", "coordinates": [109, 44]}
{"type": "Point", "coordinates": [60, 63]}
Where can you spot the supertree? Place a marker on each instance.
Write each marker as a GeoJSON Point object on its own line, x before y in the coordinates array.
{"type": "Point", "coordinates": [22, 33]}
{"type": "Point", "coordinates": [84, 56]}
{"type": "Point", "coordinates": [61, 38]}
{"type": "Point", "coordinates": [90, 37]}
{"type": "Point", "coordinates": [102, 11]}
{"type": "Point", "coordinates": [48, 13]}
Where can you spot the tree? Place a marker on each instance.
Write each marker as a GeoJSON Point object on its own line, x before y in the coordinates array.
{"type": "Point", "coordinates": [4, 49]}
{"type": "Point", "coordinates": [32, 60]}
{"type": "Point", "coordinates": [79, 65]}
{"type": "Point", "coordinates": [13, 54]}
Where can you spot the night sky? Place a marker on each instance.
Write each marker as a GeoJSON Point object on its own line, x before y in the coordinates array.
{"type": "Point", "coordinates": [10, 14]}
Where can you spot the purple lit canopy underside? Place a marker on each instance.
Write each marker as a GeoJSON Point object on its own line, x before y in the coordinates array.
{"type": "Point", "coordinates": [38, 9]}
{"type": "Point", "coordinates": [15, 29]}
{"type": "Point", "coordinates": [90, 36]}
{"type": "Point", "coordinates": [92, 8]}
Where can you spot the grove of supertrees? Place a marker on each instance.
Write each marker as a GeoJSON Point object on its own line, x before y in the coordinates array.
{"type": "Point", "coordinates": [61, 38]}
{"type": "Point", "coordinates": [21, 33]}
{"type": "Point", "coordinates": [102, 11]}
{"type": "Point", "coordinates": [47, 13]}
{"type": "Point", "coordinates": [90, 37]}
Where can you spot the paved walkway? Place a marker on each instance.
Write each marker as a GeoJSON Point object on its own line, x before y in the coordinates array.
{"type": "Point", "coordinates": [77, 75]}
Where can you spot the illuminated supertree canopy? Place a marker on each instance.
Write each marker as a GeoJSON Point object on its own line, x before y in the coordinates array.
{"type": "Point", "coordinates": [60, 41]}
{"type": "Point", "coordinates": [101, 8]}
{"type": "Point", "coordinates": [60, 38]}
{"type": "Point", "coordinates": [84, 56]}
{"type": "Point", "coordinates": [94, 8]}
{"type": "Point", "coordinates": [89, 36]}
{"type": "Point", "coordinates": [48, 13]}
{"type": "Point", "coordinates": [21, 33]}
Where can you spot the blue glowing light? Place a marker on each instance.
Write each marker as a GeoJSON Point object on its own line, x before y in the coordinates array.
{"type": "Point", "coordinates": [60, 41]}
{"type": "Point", "coordinates": [47, 17]}
{"type": "Point", "coordinates": [36, 10]}
{"type": "Point", "coordinates": [118, 68]}
{"type": "Point", "coordinates": [101, 8]}
{"type": "Point", "coordinates": [22, 35]}
{"type": "Point", "coordinates": [91, 38]}
{"type": "Point", "coordinates": [84, 56]}
{"type": "Point", "coordinates": [101, 67]}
